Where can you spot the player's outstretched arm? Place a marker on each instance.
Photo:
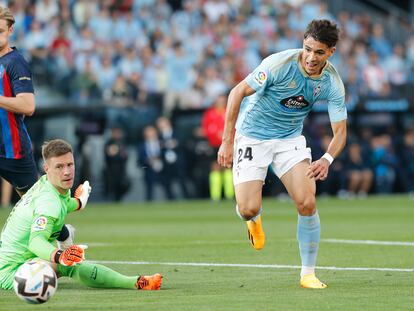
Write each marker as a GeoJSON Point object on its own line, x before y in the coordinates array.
{"type": "Point", "coordinates": [225, 153]}
{"type": "Point", "coordinates": [319, 169]}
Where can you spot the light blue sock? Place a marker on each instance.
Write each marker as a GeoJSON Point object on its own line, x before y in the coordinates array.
{"type": "Point", "coordinates": [308, 235]}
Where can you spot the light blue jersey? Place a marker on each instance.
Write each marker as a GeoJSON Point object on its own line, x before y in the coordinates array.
{"type": "Point", "coordinates": [284, 96]}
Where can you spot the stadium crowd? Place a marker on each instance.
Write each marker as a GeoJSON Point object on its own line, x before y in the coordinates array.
{"type": "Point", "coordinates": [143, 59]}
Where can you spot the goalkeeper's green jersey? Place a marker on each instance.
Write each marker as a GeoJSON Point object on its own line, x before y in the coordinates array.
{"type": "Point", "coordinates": [34, 224]}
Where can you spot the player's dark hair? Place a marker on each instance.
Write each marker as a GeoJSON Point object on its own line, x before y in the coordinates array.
{"type": "Point", "coordinates": [324, 31]}
{"type": "Point", "coordinates": [7, 15]}
{"type": "Point", "coordinates": [55, 148]}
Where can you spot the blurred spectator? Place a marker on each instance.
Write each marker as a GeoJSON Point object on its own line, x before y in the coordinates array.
{"type": "Point", "coordinates": [396, 66]}
{"type": "Point", "coordinates": [118, 110]}
{"type": "Point", "coordinates": [358, 172]}
{"type": "Point", "coordinates": [361, 55]}
{"type": "Point", "coordinates": [410, 52]}
{"type": "Point", "coordinates": [214, 84]}
{"type": "Point", "coordinates": [82, 12]}
{"type": "Point", "coordinates": [101, 26]}
{"type": "Point", "coordinates": [335, 184]}
{"type": "Point", "coordinates": [105, 74]}
{"type": "Point", "coordinates": [150, 158]}
{"type": "Point", "coordinates": [63, 62]}
{"type": "Point", "coordinates": [214, 9]}
{"type": "Point", "coordinates": [149, 71]}
{"type": "Point", "coordinates": [84, 43]}
{"type": "Point", "coordinates": [173, 156]}
{"type": "Point", "coordinates": [213, 125]}
{"type": "Point", "coordinates": [379, 43]}
{"type": "Point", "coordinates": [178, 65]}
{"type": "Point", "coordinates": [376, 78]}
{"type": "Point", "coordinates": [117, 182]}
{"type": "Point", "coordinates": [85, 86]}
{"type": "Point", "coordinates": [384, 163]}
{"type": "Point", "coordinates": [46, 10]}
{"type": "Point", "coordinates": [195, 97]}
{"type": "Point", "coordinates": [199, 155]}
{"type": "Point", "coordinates": [348, 24]}
{"type": "Point", "coordinates": [407, 162]}
{"type": "Point", "coordinates": [36, 42]}
{"type": "Point", "coordinates": [352, 87]}
{"type": "Point", "coordinates": [130, 63]}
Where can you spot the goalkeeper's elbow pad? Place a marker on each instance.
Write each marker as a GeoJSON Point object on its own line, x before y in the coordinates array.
{"type": "Point", "coordinates": [69, 257]}
{"type": "Point", "coordinates": [82, 194]}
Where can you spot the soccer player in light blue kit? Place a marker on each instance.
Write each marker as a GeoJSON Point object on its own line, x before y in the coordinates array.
{"type": "Point", "coordinates": [277, 96]}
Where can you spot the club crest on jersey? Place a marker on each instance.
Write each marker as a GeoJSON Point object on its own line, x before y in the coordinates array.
{"type": "Point", "coordinates": [260, 77]}
{"type": "Point", "coordinates": [40, 223]}
{"type": "Point", "coordinates": [295, 102]}
{"type": "Point", "coordinates": [316, 90]}
{"type": "Point", "coordinates": [292, 84]}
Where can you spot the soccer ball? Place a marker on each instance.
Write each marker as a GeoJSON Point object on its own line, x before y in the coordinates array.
{"type": "Point", "coordinates": [35, 282]}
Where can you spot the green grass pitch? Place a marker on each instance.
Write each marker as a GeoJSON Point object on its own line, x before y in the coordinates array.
{"type": "Point", "coordinates": [171, 237]}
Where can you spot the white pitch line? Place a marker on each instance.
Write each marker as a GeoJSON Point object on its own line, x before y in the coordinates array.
{"type": "Point", "coordinates": [205, 242]}
{"type": "Point", "coordinates": [201, 242]}
{"type": "Point", "coordinates": [203, 264]}
{"type": "Point", "coordinates": [369, 242]}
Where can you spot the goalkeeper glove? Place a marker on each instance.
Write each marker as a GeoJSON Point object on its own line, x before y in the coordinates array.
{"type": "Point", "coordinates": [71, 256]}
{"type": "Point", "coordinates": [82, 194]}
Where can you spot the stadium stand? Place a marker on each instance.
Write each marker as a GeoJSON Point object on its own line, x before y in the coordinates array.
{"type": "Point", "coordinates": [123, 64]}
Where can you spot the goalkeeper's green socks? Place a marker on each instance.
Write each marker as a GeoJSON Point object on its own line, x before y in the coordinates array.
{"type": "Point", "coordinates": [95, 275]}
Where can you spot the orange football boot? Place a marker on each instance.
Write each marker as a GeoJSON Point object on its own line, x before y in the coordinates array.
{"type": "Point", "coordinates": [255, 233]}
{"type": "Point", "coordinates": [151, 282]}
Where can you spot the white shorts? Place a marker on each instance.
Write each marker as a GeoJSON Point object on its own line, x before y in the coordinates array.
{"type": "Point", "coordinates": [252, 157]}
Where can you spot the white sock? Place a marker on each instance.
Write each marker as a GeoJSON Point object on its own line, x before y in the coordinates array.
{"type": "Point", "coordinates": [306, 270]}
{"type": "Point", "coordinates": [242, 218]}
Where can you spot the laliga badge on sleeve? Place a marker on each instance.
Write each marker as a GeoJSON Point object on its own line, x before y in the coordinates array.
{"type": "Point", "coordinates": [260, 77]}
{"type": "Point", "coordinates": [40, 223]}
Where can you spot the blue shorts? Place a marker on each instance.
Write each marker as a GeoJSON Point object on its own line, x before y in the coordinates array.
{"type": "Point", "coordinates": [21, 173]}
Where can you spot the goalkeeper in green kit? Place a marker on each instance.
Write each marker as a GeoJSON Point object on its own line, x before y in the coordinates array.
{"type": "Point", "coordinates": [37, 219]}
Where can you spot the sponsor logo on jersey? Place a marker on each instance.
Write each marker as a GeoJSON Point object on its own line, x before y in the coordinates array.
{"type": "Point", "coordinates": [40, 223]}
{"type": "Point", "coordinates": [25, 78]}
{"type": "Point", "coordinates": [260, 77]}
{"type": "Point", "coordinates": [295, 102]}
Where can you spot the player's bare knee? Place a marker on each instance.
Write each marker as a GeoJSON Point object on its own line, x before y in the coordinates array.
{"type": "Point", "coordinates": [307, 206]}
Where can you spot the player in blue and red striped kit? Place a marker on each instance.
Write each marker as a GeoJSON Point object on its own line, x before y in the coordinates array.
{"type": "Point", "coordinates": [17, 101]}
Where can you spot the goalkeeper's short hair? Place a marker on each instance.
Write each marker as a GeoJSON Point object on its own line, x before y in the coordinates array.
{"type": "Point", "coordinates": [55, 148]}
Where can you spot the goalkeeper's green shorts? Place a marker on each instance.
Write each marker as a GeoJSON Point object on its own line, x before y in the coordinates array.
{"type": "Point", "coordinates": [7, 272]}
